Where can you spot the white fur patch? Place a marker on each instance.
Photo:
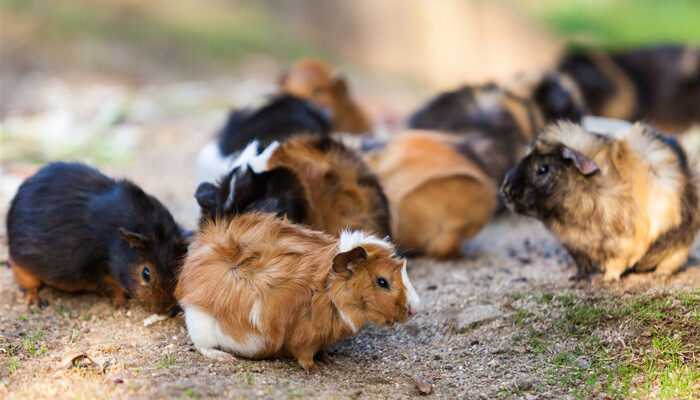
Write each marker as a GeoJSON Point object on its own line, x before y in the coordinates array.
{"type": "Point", "coordinates": [347, 320]}
{"type": "Point", "coordinates": [259, 163]}
{"type": "Point", "coordinates": [604, 125]}
{"type": "Point", "coordinates": [411, 296]}
{"type": "Point", "coordinates": [207, 335]}
{"type": "Point", "coordinates": [254, 316]}
{"type": "Point", "coordinates": [245, 156]}
{"type": "Point", "coordinates": [210, 164]}
{"type": "Point", "coordinates": [351, 239]}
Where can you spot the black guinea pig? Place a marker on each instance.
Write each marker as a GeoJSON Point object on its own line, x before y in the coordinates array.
{"type": "Point", "coordinates": [275, 191]}
{"type": "Point", "coordinates": [75, 229]}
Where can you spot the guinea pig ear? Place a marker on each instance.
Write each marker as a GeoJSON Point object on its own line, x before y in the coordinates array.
{"type": "Point", "coordinates": [585, 165]}
{"type": "Point", "coordinates": [267, 206]}
{"type": "Point", "coordinates": [340, 84]}
{"type": "Point", "coordinates": [134, 239]}
{"type": "Point", "coordinates": [344, 263]}
{"type": "Point", "coordinates": [206, 196]}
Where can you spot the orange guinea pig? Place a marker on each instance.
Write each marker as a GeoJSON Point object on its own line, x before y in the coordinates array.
{"type": "Point", "coordinates": [317, 82]}
{"type": "Point", "coordinates": [437, 197]}
{"type": "Point", "coordinates": [257, 286]}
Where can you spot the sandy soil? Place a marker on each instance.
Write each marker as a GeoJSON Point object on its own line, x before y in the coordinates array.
{"type": "Point", "coordinates": [461, 343]}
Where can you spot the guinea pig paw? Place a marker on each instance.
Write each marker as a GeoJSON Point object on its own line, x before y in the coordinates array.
{"type": "Point", "coordinates": [308, 365]}
{"type": "Point", "coordinates": [119, 302]}
{"type": "Point", "coordinates": [611, 277]}
{"type": "Point", "coordinates": [35, 300]}
{"type": "Point", "coordinates": [324, 357]}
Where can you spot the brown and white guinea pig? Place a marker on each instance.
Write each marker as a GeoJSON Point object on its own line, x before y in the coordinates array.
{"type": "Point", "coordinates": [438, 198]}
{"type": "Point", "coordinates": [73, 228]}
{"type": "Point", "coordinates": [498, 120]}
{"type": "Point", "coordinates": [257, 286]}
{"type": "Point", "coordinates": [660, 83]}
{"type": "Point", "coordinates": [318, 82]}
{"type": "Point", "coordinates": [338, 191]}
{"type": "Point", "coordinates": [626, 201]}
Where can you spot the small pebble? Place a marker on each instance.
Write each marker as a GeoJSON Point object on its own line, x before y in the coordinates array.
{"type": "Point", "coordinates": [474, 342]}
{"type": "Point", "coordinates": [431, 287]}
{"type": "Point", "coordinates": [448, 367]}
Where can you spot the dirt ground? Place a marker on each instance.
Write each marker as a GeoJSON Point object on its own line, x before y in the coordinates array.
{"type": "Point", "coordinates": [464, 343]}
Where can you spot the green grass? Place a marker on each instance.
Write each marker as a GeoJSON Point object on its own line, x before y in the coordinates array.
{"type": "Point", "coordinates": [166, 362]}
{"type": "Point", "coordinates": [187, 28]}
{"type": "Point", "coordinates": [620, 23]}
{"type": "Point", "coordinates": [656, 355]}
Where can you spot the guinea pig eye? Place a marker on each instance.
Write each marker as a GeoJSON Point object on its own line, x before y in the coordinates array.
{"type": "Point", "coordinates": [146, 275]}
{"type": "Point", "coordinates": [383, 283]}
{"type": "Point", "coordinates": [542, 169]}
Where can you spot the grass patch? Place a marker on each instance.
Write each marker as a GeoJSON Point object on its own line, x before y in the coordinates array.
{"type": "Point", "coordinates": [635, 346]}
{"type": "Point", "coordinates": [167, 362]}
{"type": "Point", "coordinates": [620, 23]}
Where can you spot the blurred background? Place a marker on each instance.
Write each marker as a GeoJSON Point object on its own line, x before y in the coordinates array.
{"type": "Point", "coordinates": [137, 86]}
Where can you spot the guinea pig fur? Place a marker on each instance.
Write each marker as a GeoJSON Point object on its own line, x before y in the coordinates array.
{"type": "Point", "coordinates": [257, 286]}
{"type": "Point", "coordinates": [438, 198]}
{"type": "Point", "coordinates": [659, 83]}
{"type": "Point", "coordinates": [73, 228]}
{"type": "Point", "coordinates": [242, 190]}
{"type": "Point", "coordinates": [618, 202]}
{"type": "Point", "coordinates": [280, 117]}
{"type": "Point", "coordinates": [317, 82]}
{"type": "Point", "coordinates": [339, 190]}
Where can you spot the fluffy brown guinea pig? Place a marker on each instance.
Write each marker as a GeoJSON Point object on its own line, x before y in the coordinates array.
{"type": "Point", "coordinates": [256, 286]}
{"type": "Point", "coordinates": [617, 202]}
{"type": "Point", "coordinates": [319, 83]}
{"type": "Point", "coordinates": [340, 192]}
{"type": "Point", "coordinates": [438, 198]}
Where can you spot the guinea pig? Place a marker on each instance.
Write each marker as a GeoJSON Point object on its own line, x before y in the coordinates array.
{"type": "Point", "coordinates": [657, 83]}
{"type": "Point", "coordinates": [256, 286]}
{"type": "Point", "coordinates": [280, 117]}
{"type": "Point", "coordinates": [338, 191]}
{"type": "Point", "coordinates": [438, 198]}
{"type": "Point", "coordinates": [626, 201]}
{"type": "Point", "coordinates": [497, 121]}
{"type": "Point", "coordinates": [276, 191]}
{"type": "Point", "coordinates": [73, 228]}
{"type": "Point", "coordinates": [317, 82]}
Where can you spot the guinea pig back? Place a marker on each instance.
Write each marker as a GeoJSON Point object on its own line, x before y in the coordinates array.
{"type": "Point", "coordinates": [257, 286]}
{"type": "Point", "coordinates": [437, 197]}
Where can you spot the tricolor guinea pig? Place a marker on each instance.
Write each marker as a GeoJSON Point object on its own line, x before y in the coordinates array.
{"type": "Point", "coordinates": [317, 82]}
{"type": "Point", "coordinates": [280, 117]}
{"type": "Point", "coordinates": [438, 198]}
{"type": "Point", "coordinates": [659, 83]}
{"type": "Point", "coordinates": [625, 201]}
{"type": "Point", "coordinates": [498, 120]}
{"type": "Point", "coordinates": [325, 185]}
{"type": "Point", "coordinates": [73, 228]}
{"type": "Point", "coordinates": [257, 286]}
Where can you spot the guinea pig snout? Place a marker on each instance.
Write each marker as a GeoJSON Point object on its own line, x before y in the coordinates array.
{"type": "Point", "coordinates": [411, 311]}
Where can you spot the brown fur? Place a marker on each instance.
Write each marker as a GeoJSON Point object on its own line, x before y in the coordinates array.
{"type": "Point", "coordinates": [317, 82]}
{"type": "Point", "coordinates": [294, 275]}
{"type": "Point", "coordinates": [638, 211]}
{"type": "Point", "coordinates": [438, 198]}
{"type": "Point", "coordinates": [340, 190]}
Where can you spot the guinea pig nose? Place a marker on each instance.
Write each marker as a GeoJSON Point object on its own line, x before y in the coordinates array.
{"type": "Point", "coordinates": [411, 311]}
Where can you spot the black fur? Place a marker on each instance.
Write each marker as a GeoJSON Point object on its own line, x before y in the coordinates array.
{"type": "Point", "coordinates": [279, 118]}
{"type": "Point", "coordinates": [276, 191]}
{"type": "Point", "coordinates": [63, 226]}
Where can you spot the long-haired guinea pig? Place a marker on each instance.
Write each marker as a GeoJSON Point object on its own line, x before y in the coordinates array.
{"type": "Point", "coordinates": [73, 228]}
{"type": "Point", "coordinates": [256, 286]}
{"type": "Point", "coordinates": [438, 198]}
{"type": "Point", "coordinates": [655, 83]}
{"type": "Point", "coordinates": [334, 190]}
{"type": "Point", "coordinates": [278, 118]}
{"type": "Point", "coordinates": [616, 202]}
{"type": "Point", "coordinates": [317, 82]}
